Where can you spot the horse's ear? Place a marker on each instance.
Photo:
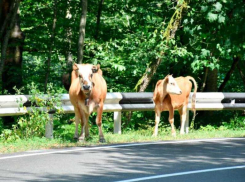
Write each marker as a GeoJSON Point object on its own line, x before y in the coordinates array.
{"type": "Point", "coordinates": [95, 68]}
{"type": "Point", "coordinates": [166, 78]}
{"type": "Point", "coordinates": [75, 67]}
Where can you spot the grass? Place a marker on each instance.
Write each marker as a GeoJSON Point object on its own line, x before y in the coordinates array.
{"type": "Point", "coordinates": [126, 137]}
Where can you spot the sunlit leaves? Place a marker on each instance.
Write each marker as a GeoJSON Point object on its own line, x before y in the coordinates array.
{"type": "Point", "coordinates": [211, 32]}
{"type": "Point", "coordinates": [221, 19]}
{"type": "Point", "coordinates": [212, 17]}
{"type": "Point", "coordinates": [217, 6]}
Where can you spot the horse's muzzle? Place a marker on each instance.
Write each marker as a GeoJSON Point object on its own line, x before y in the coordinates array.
{"type": "Point", "coordinates": [86, 87]}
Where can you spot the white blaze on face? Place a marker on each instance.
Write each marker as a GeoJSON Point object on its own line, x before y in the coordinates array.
{"type": "Point", "coordinates": [85, 77]}
{"type": "Point", "coordinates": [172, 86]}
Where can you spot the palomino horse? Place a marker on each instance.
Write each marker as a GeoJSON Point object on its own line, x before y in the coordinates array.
{"type": "Point", "coordinates": [87, 92]}
{"type": "Point", "coordinates": [171, 94]}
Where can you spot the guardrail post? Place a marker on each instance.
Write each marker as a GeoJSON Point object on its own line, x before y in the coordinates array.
{"type": "Point", "coordinates": [49, 127]}
{"type": "Point", "coordinates": [117, 122]}
{"type": "Point", "coordinates": [186, 127]}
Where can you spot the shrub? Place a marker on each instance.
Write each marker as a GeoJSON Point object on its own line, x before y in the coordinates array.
{"type": "Point", "coordinates": [33, 123]}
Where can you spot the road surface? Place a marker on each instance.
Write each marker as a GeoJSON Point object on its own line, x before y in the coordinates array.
{"type": "Point", "coordinates": [211, 160]}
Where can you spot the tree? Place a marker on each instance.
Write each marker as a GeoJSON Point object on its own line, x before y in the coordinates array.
{"type": "Point", "coordinates": [52, 38]}
{"type": "Point", "coordinates": [98, 19]}
{"type": "Point", "coordinates": [169, 33]}
{"type": "Point", "coordinates": [82, 31]}
{"type": "Point", "coordinates": [80, 50]}
{"type": "Point", "coordinates": [12, 39]}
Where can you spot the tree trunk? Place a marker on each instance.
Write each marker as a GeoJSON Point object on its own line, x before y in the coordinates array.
{"type": "Point", "coordinates": [150, 71]}
{"type": "Point", "coordinates": [211, 84]}
{"type": "Point", "coordinates": [168, 34]}
{"type": "Point", "coordinates": [69, 41]}
{"type": "Point", "coordinates": [66, 78]}
{"type": "Point", "coordinates": [241, 74]}
{"type": "Point", "coordinates": [204, 79]}
{"type": "Point", "coordinates": [52, 38]}
{"type": "Point", "coordinates": [82, 31]}
{"type": "Point", "coordinates": [98, 19]}
{"type": "Point", "coordinates": [228, 75]}
{"type": "Point", "coordinates": [12, 40]}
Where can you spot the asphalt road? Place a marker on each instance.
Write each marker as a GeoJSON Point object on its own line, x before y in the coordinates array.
{"type": "Point", "coordinates": [214, 160]}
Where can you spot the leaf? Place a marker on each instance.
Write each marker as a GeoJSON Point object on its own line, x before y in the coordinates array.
{"type": "Point", "coordinates": [205, 53]}
{"type": "Point", "coordinates": [204, 8]}
{"type": "Point", "coordinates": [218, 6]}
{"type": "Point", "coordinates": [221, 19]}
{"type": "Point", "coordinates": [212, 17]}
{"type": "Point", "coordinates": [185, 21]}
{"type": "Point", "coordinates": [119, 67]}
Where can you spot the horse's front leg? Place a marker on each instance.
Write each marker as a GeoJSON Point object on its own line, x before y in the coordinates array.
{"type": "Point", "coordinates": [77, 121]}
{"type": "Point", "coordinates": [84, 126]}
{"type": "Point", "coordinates": [99, 123]}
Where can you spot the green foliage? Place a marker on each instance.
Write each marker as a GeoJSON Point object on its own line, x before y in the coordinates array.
{"type": "Point", "coordinates": [65, 132]}
{"type": "Point", "coordinates": [130, 37]}
{"type": "Point", "coordinates": [33, 124]}
{"type": "Point", "coordinates": [208, 128]}
{"type": "Point", "coordinates": [127, 137]}
{"type": "Point", "coordinates": [1, 125]}
{"type": "Point", "coordinates": [236, 123]}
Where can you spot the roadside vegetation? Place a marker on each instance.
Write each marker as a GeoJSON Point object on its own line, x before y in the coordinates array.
{"type": "Point", "coordinates": [13, 140]}
{"type": "Point", "coordinates": [37, 143]}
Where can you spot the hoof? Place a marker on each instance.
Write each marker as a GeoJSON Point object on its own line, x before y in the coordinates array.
{"type": "Point", "coordinates": [81, 139]}
{"type": "Point", "coordinates": [154, 135]}
{"type": "Point", "coordinates": [182, 132]}
{"type": "Point", "coordinates": [174, 134]}
{"type": "Point", "coordinates": [102, 140]}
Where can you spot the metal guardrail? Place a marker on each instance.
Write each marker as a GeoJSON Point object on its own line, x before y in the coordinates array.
{"type": "Point", "coordinates": [117, 102]}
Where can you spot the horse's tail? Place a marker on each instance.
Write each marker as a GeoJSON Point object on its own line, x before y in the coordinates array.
{"type": "Point", "coordinates": [193, 99]}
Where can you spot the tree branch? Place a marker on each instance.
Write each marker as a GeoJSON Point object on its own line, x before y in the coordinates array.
{"type": "Point", "coordinates": [228, 75]}
{"type": "Point", "coordinates": [241, 74]}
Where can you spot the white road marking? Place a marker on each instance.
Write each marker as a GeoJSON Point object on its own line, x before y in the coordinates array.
{"type": "Point", "coordinates": [115, 146]}
{"type": "Point", "coordinates": [183, 173]}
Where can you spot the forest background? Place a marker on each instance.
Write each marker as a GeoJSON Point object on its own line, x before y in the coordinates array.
{"type": "Point", "coordinates": [136, 42]}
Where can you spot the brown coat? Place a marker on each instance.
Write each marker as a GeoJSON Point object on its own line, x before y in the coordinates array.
{"type": "Point", "coordinates": [87, 93]}
{"type": "Point", "coordinates": [166, 101]}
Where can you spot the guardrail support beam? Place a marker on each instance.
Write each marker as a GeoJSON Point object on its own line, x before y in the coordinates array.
{"type": "Point", "coordinates": [117, 122]}
{"type": "Point", "coordinates": [49, 127]}
{"type": "Point", "coordinates": [186, 127]}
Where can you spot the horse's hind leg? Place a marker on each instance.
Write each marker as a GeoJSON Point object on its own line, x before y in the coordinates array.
{"type": "Point", "coordinates": [182, 112]}
{"type": "Point", "coordinates": [171, 121]}
{"type": "Point", "coordinates": [157, 120]}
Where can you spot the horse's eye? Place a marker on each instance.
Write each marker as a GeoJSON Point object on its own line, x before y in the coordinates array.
{"type": "Point", "coordinates": [79, 76]}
